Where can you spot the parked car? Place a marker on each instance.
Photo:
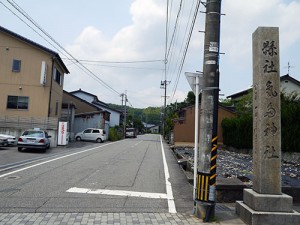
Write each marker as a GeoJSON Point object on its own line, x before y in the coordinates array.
{"type": "Point", "coordinates": [11, 139]}
{"type": "Point", "coordinates": [37, 139]}
{"type": "Point", "coordinates": [130, 133]}
{"type": "Point", "coordinates": [3, 141]}
{"type": "Point", "coordinates": [91, 134]}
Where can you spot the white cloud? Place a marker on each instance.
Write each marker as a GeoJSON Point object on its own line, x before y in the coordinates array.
{"type": "Point", "coordinates": [144, 39]}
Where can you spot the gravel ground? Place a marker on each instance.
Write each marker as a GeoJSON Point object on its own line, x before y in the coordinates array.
{"type": "Point", "coordinates": [233, 164]}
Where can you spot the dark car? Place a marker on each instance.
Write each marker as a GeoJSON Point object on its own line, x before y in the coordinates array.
{"type": "Point", "coordinates": [36, 139]}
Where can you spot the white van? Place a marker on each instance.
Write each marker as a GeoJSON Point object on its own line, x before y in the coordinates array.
{"type": "Point", "coordinates": [91, 134]}
{"type": "Point", "coordinates": [130, 133]}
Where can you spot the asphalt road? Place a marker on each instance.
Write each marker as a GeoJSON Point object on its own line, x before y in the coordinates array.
{"type": "Point", "coordinates": [125, 176]}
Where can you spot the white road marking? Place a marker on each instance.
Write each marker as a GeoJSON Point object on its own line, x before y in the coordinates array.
{"type": "Point", "coordinates": [137, 144]}
{"type": "Point", "coordinates": [52, 160]}
{"type": "Point", "coordinates": [118, 193]}
{"type": "Point", "coordinates": [171, 202]}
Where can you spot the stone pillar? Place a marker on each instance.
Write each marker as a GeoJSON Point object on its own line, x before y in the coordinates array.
{"type": "Point", "coordinates": [266, 204]}
{"type": "Point", "coordinates": [266, 112]}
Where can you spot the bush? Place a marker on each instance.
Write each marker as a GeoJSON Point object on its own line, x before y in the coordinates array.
{"type": "Point", "coordinates": [237, 132]}
{"type": "Point", "coordinates": [115, 134]}
{"type": "Point", "coordinates": [290, 124]}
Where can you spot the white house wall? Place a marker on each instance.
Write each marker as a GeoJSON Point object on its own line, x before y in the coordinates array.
{"type": "Point", "coordinates": [82, 123]}
{"type": "Point", "coordinates": [289, 87]}
{"type": "Point", "coordinates": [114, 116]}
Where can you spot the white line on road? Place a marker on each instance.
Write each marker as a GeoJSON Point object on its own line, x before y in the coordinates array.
{"type": "Point", "coordinates": [117, 193]}
{"type": "Point", "coordinates": [171, 202]}
{"type": "Point", "coordinates": [137, 144]}
{"type": "Point", "coordinates": [52, 160]}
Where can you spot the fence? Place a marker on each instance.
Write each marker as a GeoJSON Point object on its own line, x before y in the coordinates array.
{"type": "Point", "coordinates": [17, 122]}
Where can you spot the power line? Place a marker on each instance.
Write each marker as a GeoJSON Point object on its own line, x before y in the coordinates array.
{"type": "Point", "coordinates": [119, 62]}
{"type": "Point", "coordinates": [81, 66]}
{"type": "Point", "coordinates": [175, 28]}
{"type": "Point", "coordinates": [186, 49]}
{"type": "Point", "coordinates": [182, 45]}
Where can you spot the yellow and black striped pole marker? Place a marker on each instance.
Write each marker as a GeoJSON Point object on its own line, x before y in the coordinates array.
{"type": "Point", "coordinates": [202, 193]}
{"type": "Point", "coordinates": [213, 162]}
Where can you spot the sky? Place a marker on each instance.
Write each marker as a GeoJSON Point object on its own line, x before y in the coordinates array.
{"type": "Point", "coordinates": [123, 43]}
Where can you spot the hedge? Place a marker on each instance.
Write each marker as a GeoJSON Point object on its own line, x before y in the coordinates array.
{"type": "Point", "coordinates": [237, 132]}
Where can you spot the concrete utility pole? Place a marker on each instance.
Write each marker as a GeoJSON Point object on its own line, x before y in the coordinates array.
{"type": "Point", "coordinates": [205, 204]}
{"type": "Point", "coordinates": [163, 85]}
{"type": "Point", "coordinates": [124, 97]}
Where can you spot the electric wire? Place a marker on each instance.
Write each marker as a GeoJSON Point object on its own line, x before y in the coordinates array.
{"type": "Point", "coordinates": [185, 50]}
{"type": "Point", "coordinates": [83, 68]}
{"type": "Point", "coordinates": [175, 28]}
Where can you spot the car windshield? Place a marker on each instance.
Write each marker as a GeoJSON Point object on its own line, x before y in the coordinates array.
{"type": "Point", "coordinates": [33, 133]}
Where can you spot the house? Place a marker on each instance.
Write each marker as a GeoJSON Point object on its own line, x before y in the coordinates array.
{"type": "Point", "coordinates": [31, 83]}
{"type": "Point", "coordinates": [81, 114]}
{"type": "Point", "coordinates": [184, 125]}
{"type": "Point", "coordinates": [115, 115]}
{"type": "Point", "coordinates": [151, 128]}
{"type": "Point", "coordinates": [288, 85]}
{"type": "Point", "coordinates": [154, 129]}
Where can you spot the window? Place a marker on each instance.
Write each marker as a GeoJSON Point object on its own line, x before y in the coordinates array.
{"type": "Point", "coordinates": [56, 108]}
{"type": "Point", "coordinates": [16, 66]}
{"type": "Point", "coordinates": [87, 131]}
{"type": "Point", "coordinates": [57, 76]}
{"type": "Point", "coordinates": [96, 131]}
{"type": "Point", "coordinates": [17, 102]}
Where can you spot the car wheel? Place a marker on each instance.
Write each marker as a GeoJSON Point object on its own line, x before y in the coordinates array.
{"type": "Point", "coordinates": [99, 140]}
{"type": "Point", "coordinates": [78, 138]}
{"type": "Point", "coordinates": [19, 149]}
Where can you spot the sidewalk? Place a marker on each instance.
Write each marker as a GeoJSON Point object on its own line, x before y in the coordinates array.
{"type": "Point", "coordinates": [110, 218]}
{"type": "Point", "coordinates": [225, 215]}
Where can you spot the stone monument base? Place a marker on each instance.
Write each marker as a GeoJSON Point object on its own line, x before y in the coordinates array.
{"type": "Point", "coordinates": [266, 209]}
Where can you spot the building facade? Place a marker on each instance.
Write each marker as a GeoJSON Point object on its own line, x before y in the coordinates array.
{"type": "Point", "coordinates": [184, 125]}
{"type": "Point", "coordinates": [81, 115]}
{"type": "Point", "coordinates": [115, 115]}
{"type": "Point", "coordinates": [31, 85]}
{"type": "Point", "coordinates": [31, 78]}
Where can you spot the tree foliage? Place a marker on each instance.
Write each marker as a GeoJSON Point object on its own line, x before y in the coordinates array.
{"type": "Point", "coordinates": [237, 132]}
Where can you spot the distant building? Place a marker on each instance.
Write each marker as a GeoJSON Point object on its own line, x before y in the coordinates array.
{"type": "Point", "coordinates": [184, 125]}
{"type": "Point", "coordinates": [115, 115]}
{"type": "Point", "coordinates": [288, 85]}
{"type": "Point", "coordinates": [151, 128]}
{"type": "Point", "coordinates": [81, 115]}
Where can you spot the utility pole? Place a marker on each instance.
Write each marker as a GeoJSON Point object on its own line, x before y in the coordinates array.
{"type": "Point", "coordinates": [125, 100]}
{"type": "Point", "coordinates": [206, 177]}
{"type": "Point", "coordinates": [163, 85]}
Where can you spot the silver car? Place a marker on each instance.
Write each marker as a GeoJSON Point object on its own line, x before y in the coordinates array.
{"type": "Point", "coordinates": [37, 139]}
{"type": "Point", "coordinates": [3, 141]}
{"type": "Point", "coordinates": [11, 139]}
{"type": "Point", "coordinates": [91, 134]}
